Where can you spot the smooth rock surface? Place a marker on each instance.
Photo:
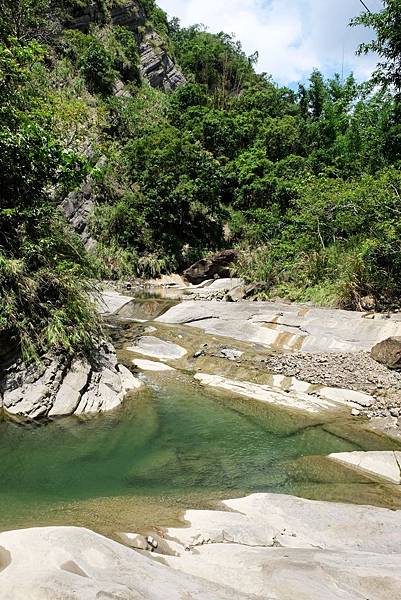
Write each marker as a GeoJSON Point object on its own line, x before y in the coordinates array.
{"type": "Point", "coordinates": [288, 548]}
{"type": "Point", "coordinates": [71, 563]}
{"type": "Point", "coordinates": [110, 302]}
{"type": "Point", "coordinates": [293, 394]}
{"type": "Point", "coordinates": [385, 465]}
{"type": "Point", "coordinates": [156, 348]}
{"type": "Point", "coordinates": [150, 365]}
{"type": "Point", "coordinates": [286, 327]}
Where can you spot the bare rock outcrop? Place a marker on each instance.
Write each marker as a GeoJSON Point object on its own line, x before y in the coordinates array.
{"type": "Point", "coordinates": [156, 65]}
{"type": "Point", "coordinates": [60, 386]}
{"type": "Point", "coordinates": [77, 207]}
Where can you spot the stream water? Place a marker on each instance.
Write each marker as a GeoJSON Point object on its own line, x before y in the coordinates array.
{"type": "Point", "coordinates": [171, 447]}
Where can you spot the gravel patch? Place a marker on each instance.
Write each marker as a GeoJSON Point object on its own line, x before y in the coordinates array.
{"type": "Point", "coordinates": [355, 371]}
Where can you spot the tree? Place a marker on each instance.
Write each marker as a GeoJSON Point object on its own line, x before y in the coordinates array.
{"type": "Point", "coordinates": [387, 25]}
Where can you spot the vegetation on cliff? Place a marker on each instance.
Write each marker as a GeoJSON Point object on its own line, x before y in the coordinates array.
{"type": "Point", "coordinates": [306, 183]}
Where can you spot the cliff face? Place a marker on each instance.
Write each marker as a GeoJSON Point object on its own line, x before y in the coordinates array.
{"type": "Point", "coordinates": [155, 63]}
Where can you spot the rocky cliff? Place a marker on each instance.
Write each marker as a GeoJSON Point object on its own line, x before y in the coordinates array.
{"type": "Point", "coordinates": [156, 65]}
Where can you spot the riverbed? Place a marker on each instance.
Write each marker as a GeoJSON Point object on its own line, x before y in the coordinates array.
{"type": "Point", "coordinates": [171, 447]}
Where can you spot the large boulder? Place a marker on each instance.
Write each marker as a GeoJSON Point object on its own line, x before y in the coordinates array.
{"type": "Point", "coordinates": [208, 268]}
{"type": "Point", "coordinates": [59, 386]}
{"type": "Point", "coordinates": [388, 352]}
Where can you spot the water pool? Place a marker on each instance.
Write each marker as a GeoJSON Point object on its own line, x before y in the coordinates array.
{"type": "Point", "coordinates": [172, 447]}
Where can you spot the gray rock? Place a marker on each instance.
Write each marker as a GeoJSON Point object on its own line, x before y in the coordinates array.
{"type": "Point", "coordinates": [384, 464]}
{"type": "Point", "coordinates": [77, 207]}
{"type": "Point", "coordinates": [388, 352]}
{"type": "Point", "coordinates": [156, 64]}
{"type": "Point", "coordinates": [59, 386]}
{"type": "Point", "coordinates": [69, 394]}
{"type": "Point", "coordinates": [207, 268]}
{"type": "Point", "coordinates": [230, 353]}
{"type": "Point", "coordinates": [285, 327]}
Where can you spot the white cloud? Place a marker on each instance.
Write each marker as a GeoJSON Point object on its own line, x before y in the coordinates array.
{"type": "Point", "coordinates": [292, 36]}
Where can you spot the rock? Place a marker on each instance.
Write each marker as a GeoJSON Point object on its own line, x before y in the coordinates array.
{"type": "Point", "coordinates": [69, 394]}
{"type": "Point", "coordinates": [150, 365]}
{"type": "Point", "coordinates": [283, 547]}
{"type": "Point", "coordinates": [154, 347]}
{"type": "Point", "coordinates": [355, 412]}
{"type": "Point", "coordinates": [71, 563]}
{"type": "Point", "coordinates": [157, 65]}
{"type": "Point", "coordinates": [368, 303]}
{"type": "Point", "coordinates": [293, 398]}
{"type": "Point", "coordinates": [60, 386]}
{"type": "Point", "coordinates": [388, 352]}
{"type": "Point", "coordinates": [111, 302]}
{"type": "Point", "coordinates": [385, 464]}
{"type": "Point", "coordinates": [285, 327]}
{"type": "Point", "coordinates": [77, 207]}
{"type": "Point", "coordinates": [236, 294]}
{"type": "Point", "coordinates": [134, 540]}
{"type": "Point", "coordinates": [128, 381]}
{"type": "Point", "coordinates": [230, 353]}
{"type": "Point", "coordinates": [207, 268]}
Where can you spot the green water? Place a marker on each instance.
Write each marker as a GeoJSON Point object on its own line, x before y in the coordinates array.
{"type": "Point", "coordinates": [169, 448]}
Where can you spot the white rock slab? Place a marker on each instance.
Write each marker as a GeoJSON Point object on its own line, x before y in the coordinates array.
{"type": "Point", "coordinates": [150, 365]}
{"type": "Point", "coordinates": [286, 326]}
{"type": "Point", "coordinates": [156, 348]}
{"type": "Point", "coordinates": [291, 399]}
{"type": "Point", "coordinates": [383, 464]}
{"type": "Point", "coordinates": [283, 547]}
{"type": "Point", "coordinates": [108, 303]}
{"type": "Point", "coordinates": [291, 522]}
{"type": "Point", "coordinates": [71, 563]}
{"type": "Point", "coordinates": [128, 380]}
{"type": "Point", "coordinates": [292, 574]}
{"type": "Point", "coordinates": [226, 283]}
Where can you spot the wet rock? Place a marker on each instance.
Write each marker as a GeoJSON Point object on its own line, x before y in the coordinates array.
{"type": "Point", "coordinates": [388, 352]}
{"type": "Point", "coordinates": [385, 465]}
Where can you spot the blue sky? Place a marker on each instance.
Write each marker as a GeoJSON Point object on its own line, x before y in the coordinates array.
{"type": "Point", "coordinates": [292, 36]}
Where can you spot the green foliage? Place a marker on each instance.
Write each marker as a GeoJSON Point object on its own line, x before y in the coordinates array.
{"type": "Point", "coordinates": [217, 61]}
{"type": "Point", "coordinates": [43, 300]}
{"type": "Point", "coordinates": [387, 44]}
{"type": "Point", "coordinates": [306, 184]}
